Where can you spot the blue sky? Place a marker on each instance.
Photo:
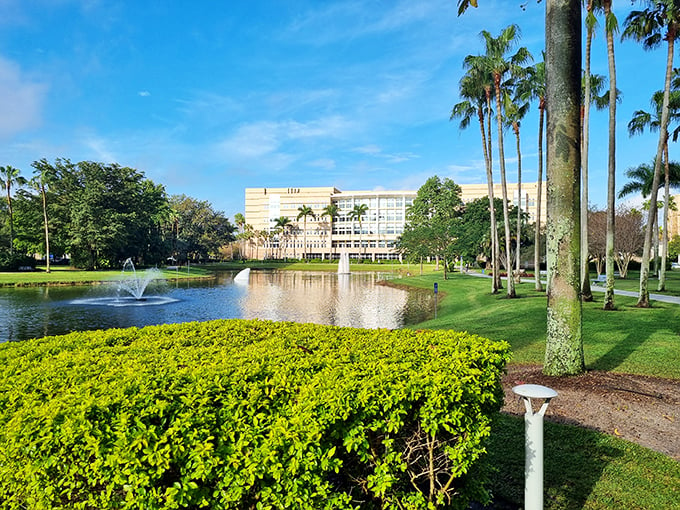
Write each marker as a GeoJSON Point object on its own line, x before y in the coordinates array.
{"type": "Point", "coordinates": [210, 97]}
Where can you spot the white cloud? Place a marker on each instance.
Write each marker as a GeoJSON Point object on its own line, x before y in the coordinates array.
{"type": "Point", "coordinates": [20, 100]}
{"type": "Point", "coordinates": [323, 163]}
{"type": "Point", "coordinates": [144, 93]}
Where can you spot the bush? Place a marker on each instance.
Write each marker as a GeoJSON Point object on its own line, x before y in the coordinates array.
{"type": "Point", "coordinates": [12, 262]}
{"type": "Point", "coordinates": [247, 414]}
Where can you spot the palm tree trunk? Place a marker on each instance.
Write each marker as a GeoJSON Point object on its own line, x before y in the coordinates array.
{"type": "Point", "coordinates": [666, 200]}
{"type": "Point", "coordinates": [564, 340]}
{"type": "Point", "coordinates": [610, 266]}
{"type": "Point", "coordinates": [495, 243]}
{"type": "Point", "coordinates": [519, 196]}
{"type": "Point", "coordinates": [586, 292]}
{"type": "Point", "coordinates": [643, 297]}
{"type": "Point", "coordinates": [504, 188]}
{"type": "Point", "coordinates": [492, 211]}
{"type": "Point", "coordinates": [537, 235]}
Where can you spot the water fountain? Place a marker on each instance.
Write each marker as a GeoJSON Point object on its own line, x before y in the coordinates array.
{"type": "Point", "coordinates": [130, 289]}
{"type": "Point", "coordinates": [243, 277]}
{"type": "Point", "coordinates": [343, 264]}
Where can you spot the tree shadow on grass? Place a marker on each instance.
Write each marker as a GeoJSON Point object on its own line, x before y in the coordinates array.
{"type": "Point", "coordinates": [574, 460]}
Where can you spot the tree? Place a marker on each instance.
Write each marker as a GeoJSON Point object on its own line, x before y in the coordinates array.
{"type": "Point", "coordinates": [533, 87]}
{"type": "Point", "coordinates": [500, 65]}
{"type": "Point", "coordinates": [433, 220]}
{"type": "Point", "coordinates": [44, 175]}
{"type": "Point", "coordinates": [11, 177]}
{"type": "Point", "coordinates": [201, 230]}
{"type": "Point", "coordinates": [304, 212]}
{"type": "Point", "coordinates": [282, 225]}
{"type": "Point", "coordinates": [564, 346]}
{"type": "Point", "coordinates": [331, 211]}
{"type": "Point", "coordinates": [640, 121]}
{"type": "Point", "coordinates": [564, 343]}
{"type": "Point", "coordinates": [475, 88]}
{"type": "Point", "coordinates": [240, 221]}
{"type": "Point", "coordinates": [515, 110]}
{"type": "Point", "coordinates": [356, 214]}
{"type": "Point", "coordinates": [660, 21]}
{"type": "Point", "coordinates": [597, 238]}
{"type": "Point", "coordinates": [630, 240]}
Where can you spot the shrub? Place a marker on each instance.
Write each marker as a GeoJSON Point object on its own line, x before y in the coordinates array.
{"type": "Point", "coordinates": [247, 414]}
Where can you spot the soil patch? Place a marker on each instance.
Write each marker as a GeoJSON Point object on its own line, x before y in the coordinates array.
{"type": "Point", "coordinates": [642, 409]}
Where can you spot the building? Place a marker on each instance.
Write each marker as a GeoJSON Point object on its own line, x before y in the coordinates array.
{"type": "Point", "coordinates": [324, 237]}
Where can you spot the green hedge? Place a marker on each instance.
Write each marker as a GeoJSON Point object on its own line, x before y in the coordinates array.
{"type": "Point", "coordinates": [247, 414]}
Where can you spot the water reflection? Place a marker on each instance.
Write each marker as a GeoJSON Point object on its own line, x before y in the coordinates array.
{"type": "Point", "coordinates": [324, 298]}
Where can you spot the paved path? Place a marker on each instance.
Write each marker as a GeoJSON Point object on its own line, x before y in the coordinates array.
{"type": "Point", "coordinates": [598, 288]}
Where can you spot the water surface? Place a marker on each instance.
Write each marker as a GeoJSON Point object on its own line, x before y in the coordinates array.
{"type": "Point", "coordinates": [355, 300]}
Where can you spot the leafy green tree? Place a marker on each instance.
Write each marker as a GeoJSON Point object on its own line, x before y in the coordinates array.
{"type": "Point", "coordinates": [658, 22]}
{"type": "Point", "coordinates": [44, 175]}
{"type": "Point", "coordinates": [356, 214]}
{"type": "Point", "coordinates": [201, 229]}
{"type": "Point", "coordinates": [11, 177]}
{"type": "Point", "coordinates": [433, 220]}
{"type": "Point", "coordinates": [304, 212]}
{"type": "Point", "coordinates": [331, 211]}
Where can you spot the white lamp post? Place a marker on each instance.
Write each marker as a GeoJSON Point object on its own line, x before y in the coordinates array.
{"type": "Point", "coordinates": [533, 467]}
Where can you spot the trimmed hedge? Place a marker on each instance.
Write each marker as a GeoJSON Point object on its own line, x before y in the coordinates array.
{"type": "Point", "coordinates": [247, 414]}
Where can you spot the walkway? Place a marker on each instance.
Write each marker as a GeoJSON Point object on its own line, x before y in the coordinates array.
{"type": "Point", "coordinates": [597, 288]}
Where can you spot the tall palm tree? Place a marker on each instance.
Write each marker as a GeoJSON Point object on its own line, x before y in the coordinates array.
{"type": "Point", "coordinates": [11, 177]}
{"type": "Point", "coordinates": [240, 222]}
{"type": "Point", "coordinates": [475, 90]}
{"type": "Point", "coordinates": [640, 121]}
{"type": "Point", "coordinates": [531, 87]}
{"type": "Point", "coordinates": [44, 176]}
{"type": "Point", "coordinates": [611, 26]}
{"type": "Point", "coordinates": [304, 212]}
{"type": "Point", "coordinates": [593, 95]}
{"type": "Point", "coordinates": [659, 22]}
{"type": "Point", "coordinates": [332, 212]}
{"type": "Point", "coordinates": [515, 110]}
{"type": "Point", "coordinates": [501, 65]}
{"type": "Point", "coordinates": [356, 214]}
{"type": "Point", "coordinates": [282, 224]}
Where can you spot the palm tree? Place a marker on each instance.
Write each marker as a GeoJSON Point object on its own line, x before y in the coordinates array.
{"type": "Point", "coordinates": [303, 212]}
{"type": "Point", "coordinates": [240, 222]}
{"type": "Point", "coordinates": [593, 95]}
{"type": "Point", "coordinates": [641, 120]}
{"type": "Point", "coordinates": [356, 214]}
{"type": "Point", "coordinates": [11, 177]}
{"type": "Point", "coordinates": [475, 89]}
{"type": "Point", "coordinates": [660, 21]}
{"type": "Point", "coordinates": [44, 176]}
{"type": "Point", "coordinates": [282, 224]}
{"type": "Point", "coordinates": [497, 62]}
{"type": "Point", "coordinates": [611, 26]}
{"type": "Point", "coordinates": [332, 211]}
{"type": "Point", "coordinates": [515, 110]}
{"type": "Point", "coordinates": [564, 339]}
{"type": "Point", "coordinates": [533, 87]}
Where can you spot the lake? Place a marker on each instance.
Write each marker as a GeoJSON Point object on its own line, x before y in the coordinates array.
{"type": "Point", "coordinates": [356, 300]}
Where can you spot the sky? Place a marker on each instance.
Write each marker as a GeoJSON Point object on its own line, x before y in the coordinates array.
{"type": "Point", "coordinates": [209, 97]}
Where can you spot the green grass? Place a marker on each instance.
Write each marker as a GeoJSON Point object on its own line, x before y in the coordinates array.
{"type": "Point", "coordinates": [632, 283]}
{"type": "Point", "coordinates": [629, 339]}
{"type": "Point", "coordinates": [584, 469]}
{"type": "Point", "coordinates": [61, 275]}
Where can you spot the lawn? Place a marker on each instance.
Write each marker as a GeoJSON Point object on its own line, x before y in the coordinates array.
{"type": "Point", "coordinates": [60, 275]}
{"type": "Point", "coordinates": [629, 339]}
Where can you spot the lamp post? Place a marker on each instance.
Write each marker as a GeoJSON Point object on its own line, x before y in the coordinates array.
{"type": "Point", "coordinates": [533, 442]}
